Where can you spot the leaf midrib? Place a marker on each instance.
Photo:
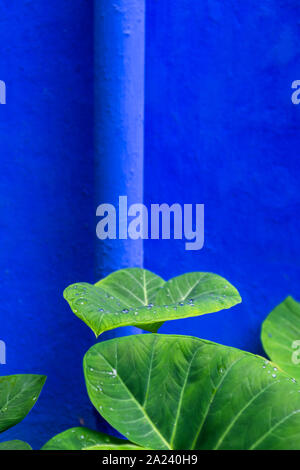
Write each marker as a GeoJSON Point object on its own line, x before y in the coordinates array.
{"type": "Point", "coordinates": [138, 404]}
{"type": "Point", "coordinates": [181, 398]}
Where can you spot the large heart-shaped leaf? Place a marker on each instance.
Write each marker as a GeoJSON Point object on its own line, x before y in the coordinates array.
{"type": "Point", "coordinates": [177, 392]}
{"type": "Point", "coordinates": [281, 336]}
{"type": "Point", "coordinates": [85, 439]}
{"type": "Point", "coordinates": [18, 394]}
{"type": "Point", "coordinates": [136, 297]}
{"type": "Point", "coordinates": [14, 445]}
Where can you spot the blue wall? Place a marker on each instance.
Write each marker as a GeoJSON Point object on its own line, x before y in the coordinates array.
{"type": "Point", "coordinates": [220, 130]}
{"type": "Point", "coordinates": [47, 205]}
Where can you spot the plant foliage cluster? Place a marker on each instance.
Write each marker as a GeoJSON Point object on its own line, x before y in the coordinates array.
{"type": "Point", "coordinates": [169, 391]}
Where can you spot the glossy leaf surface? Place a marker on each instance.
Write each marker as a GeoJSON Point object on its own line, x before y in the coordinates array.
{"type": "Point", "coordinates": [85, 439]}
{"type": "Point", "coordinates": [281, 336]}
{"type": "Point", "coordinates": [18, 394]}
{"type": "Point", "coordinates": [178, 392]}
{"type": "Point", "coordinates": [14, 445]}
{"type": "Point", "coordinates": [136, 297]}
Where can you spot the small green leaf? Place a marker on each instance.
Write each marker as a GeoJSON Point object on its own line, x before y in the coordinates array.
{"type": "Point", "coordinates": [84, 439]}
{"type": "Point", "coordinates": [136, 297]}
{"type": "Point", "coordinates": [14, 445]}
{"type": "Point", "coordinates": [178, 392]}
{"type": "Point", "coordinates": [281, 336]}
{"type": "Point", "coordinates": [18, 394]}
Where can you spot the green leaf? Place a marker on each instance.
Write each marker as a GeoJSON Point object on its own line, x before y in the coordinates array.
{"type": "Point", "coordinates": [85, 439]}
{"type": "Point", "coordinates": [18, 394]}
{"type": "Point", "coordinates": [281, 336]}
{"type": "Point", "coordinates": [14, 445]}
{"type": "Point", "coordinates": [139, 298]}
{"type": "Point", "coordinates": [177, 392]}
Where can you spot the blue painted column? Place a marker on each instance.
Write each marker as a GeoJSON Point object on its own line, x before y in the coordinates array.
{"type": "Point", "coordinates": [119, 119]}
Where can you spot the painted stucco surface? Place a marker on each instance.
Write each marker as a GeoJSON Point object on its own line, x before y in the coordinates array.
{"type": "Point", "coordinates": [46, 199]}
{"type": "Point", "coordinates": [221, 130]}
